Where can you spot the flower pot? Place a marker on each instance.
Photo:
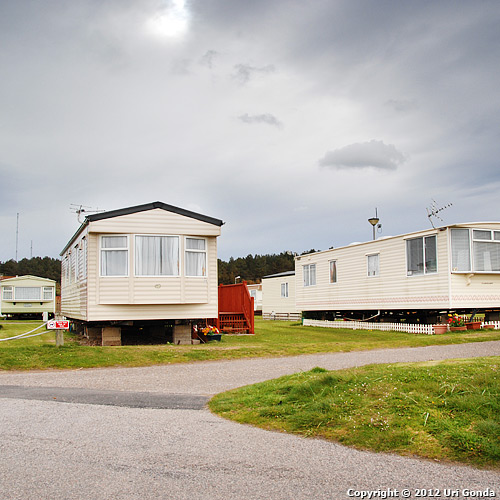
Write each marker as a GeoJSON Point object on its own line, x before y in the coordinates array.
{"type": "Point", "coordinates": [473, 325]}
{"type": "Point", "coordinates": [458, 328]}
{"type": "Point", "coordinates": [489, 327]}
{"type": "Point", "coordinates": [440, 329]}
{"type": "Point", "coordinates": [214, 337]}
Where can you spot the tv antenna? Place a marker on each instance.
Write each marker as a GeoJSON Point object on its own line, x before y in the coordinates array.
{"type": "Point", "coordinates": [433, 211]}
{"type": "Point", "coordinates": [82, 209]}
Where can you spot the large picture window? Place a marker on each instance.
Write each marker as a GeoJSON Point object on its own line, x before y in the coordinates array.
{"type": "Point", "coordinates": [475, 251]}
{"type": "Point", "coordinates": [421, 256]}
{"type": "Point", "coordinates": [114, 256]}
{"type": "Point", "coordinates": [27, 293]}
{"type": "Point", "coordinates": [486, 249]}
{"type": "Point", "coordinates": [157, 255]}
{"type": "Point", "coordinates": [196, 257]}
{"type": "Point", "coordinates": [309, 274]}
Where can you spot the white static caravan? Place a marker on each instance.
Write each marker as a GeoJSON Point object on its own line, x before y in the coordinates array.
{"type": "Point", "coordinates": [278, 296]}
{"type": "Point", "coordinates": [417, 277]}
{"type": "Point", "coordinates": [27, 297]}
{"type": "Point", "coordinates": [150, 268]}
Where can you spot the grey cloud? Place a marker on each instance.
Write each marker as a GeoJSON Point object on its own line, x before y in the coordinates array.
{"type": "Point", "coordinates": [267, 118]}
{"type": "Point", "coordinates": [244, 72]}
{"type": "Point", "coordinates": [208, 58]}
{"type": "Point", "coordinates": [374, 154]}
{"type": "Point", "coordinates": [402, 105]}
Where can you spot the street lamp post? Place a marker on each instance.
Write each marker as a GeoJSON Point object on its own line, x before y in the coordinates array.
{"type": "Point", "coordinates": [374, 221]}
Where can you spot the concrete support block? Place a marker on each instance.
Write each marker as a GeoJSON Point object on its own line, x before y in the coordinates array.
{"type": "Point", "coordinates": [182, 334]}
{"type": "Point", "coordinates": [111, 336]}
{"type": "Point", "coordinates": [93, 333]}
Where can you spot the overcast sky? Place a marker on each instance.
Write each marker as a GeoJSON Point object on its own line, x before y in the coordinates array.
{"type": "Point", "coordinates": [289, 120]}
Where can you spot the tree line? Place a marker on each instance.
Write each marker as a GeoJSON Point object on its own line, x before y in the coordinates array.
{"type": "Point", "coordinates": [43, 267]}
{"type": "Point", "coordinates": [253, 268]}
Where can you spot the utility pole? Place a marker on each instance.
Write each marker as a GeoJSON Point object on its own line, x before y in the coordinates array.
{"type": "Point", "coordinates": [17, 234]}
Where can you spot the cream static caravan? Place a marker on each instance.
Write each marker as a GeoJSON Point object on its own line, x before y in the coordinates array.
{"type": "Point", "coordinates": [27, 297]}
{"type": "Point", "coordinates": [416, 277]}
{"type": "Point", "coordinates": [278, 296]}
{"type": "Point", "coordinates": [150, 268]}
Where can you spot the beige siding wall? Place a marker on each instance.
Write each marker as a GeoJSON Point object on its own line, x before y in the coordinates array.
{"type": "Point", "coordinates": [355, 290]}
{"type": "Point", "coordinates": [153, 297]}
{"type": "Point", "coordinates": [155, 222]}
{"type": "Point", "coordinates": [478, 290]}
{"type": "Point", "coordinates": [272, 301]}
{"type": "Point", "coordinates": [74, 278]}
{"type": "Point", "coordinates": [27, 306]}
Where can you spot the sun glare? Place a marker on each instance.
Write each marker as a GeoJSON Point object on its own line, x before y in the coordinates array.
{"type": "Point", "coordinates": [170, 22]}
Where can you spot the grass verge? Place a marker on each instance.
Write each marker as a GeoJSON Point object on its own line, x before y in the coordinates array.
{"type": "Point", "coordinates": [272, 339]}
{"type": "Point", "coordinates": [447, 410]}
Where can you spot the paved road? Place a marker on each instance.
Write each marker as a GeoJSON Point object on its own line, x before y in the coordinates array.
{"type": "Point", "coordinates": [144, 433]}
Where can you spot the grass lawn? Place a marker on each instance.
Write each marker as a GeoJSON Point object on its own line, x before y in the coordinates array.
{"type": "Point", "coordinates": [272, 339]}
{"type": "Point", "coordinates": [448, 410]}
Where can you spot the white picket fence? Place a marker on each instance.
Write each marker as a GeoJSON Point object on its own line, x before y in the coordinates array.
{"type": "Point", "coordinates": [398, 327]}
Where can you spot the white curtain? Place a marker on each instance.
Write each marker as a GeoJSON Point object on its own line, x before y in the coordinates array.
{"type": "Point", "coordinates": [373, 265]}
{"type": "Point", "coordinates": [460, 250]}
{"type": "Point", "coordinates": [196, 264]}
{"type": "Point", "coordinates": [486, 256]}
{"type": "Point", "coordinates": [27, 293]}
{"type": "Point", "coordinates": [309, 274]}
{"type": "Point", "coordinates": [196, 257]}
{"type": "Point", "coordinates": [157, 256]}
{"type": "Point", "coordinates": [415, 256]}
{"type": "Point", "coordinates": [114, 256]}
{"type": "Point", "coordinates": [430, 254]}
{"type": "Point", "coordinates": [114, 263]}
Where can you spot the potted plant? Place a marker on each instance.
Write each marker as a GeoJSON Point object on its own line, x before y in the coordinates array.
{"type": "Point", "coordinates": [440, 329]}
{"type": "Point", "coordinates": [212, 333]}
{"type": "Point", "coordinates": [456, 323]}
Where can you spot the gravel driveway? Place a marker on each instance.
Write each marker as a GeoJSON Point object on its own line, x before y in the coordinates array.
{"type": "Point", "coordinates": [62, 442]}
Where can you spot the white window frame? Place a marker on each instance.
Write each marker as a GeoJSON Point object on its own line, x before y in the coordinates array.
{"type": "Point", "coordinates": [124, 249]}
{"type": "Point", "coordinates": [83, 250]}
{"type": "Point", "coordinates": [309, 272]}
{"type": "Point", "coordinates": [284, 290]}
{"type": "Point", "coordinates": [457, 252]}
{"type": "Point", "coordinates": [47, 293]}
{"type": "Point", "coordinates": [494, 239]}
{"type": "Point", "coordinates": [332, 272]}
{"type": "Point", "coordinates": [8, 289]}
{"type": "Point", "coordinates": [176, 268]}
{"type": "Point", "coordinates": [64, 269]}
{"type": "Point", "coordinates": [425, 271]}
{"type": "Point", "coordinates": [373, 261]}
{"type": "Point", "coordinates": [197, 251]}
{"type": "Point", "coordinates": [76, 260]}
